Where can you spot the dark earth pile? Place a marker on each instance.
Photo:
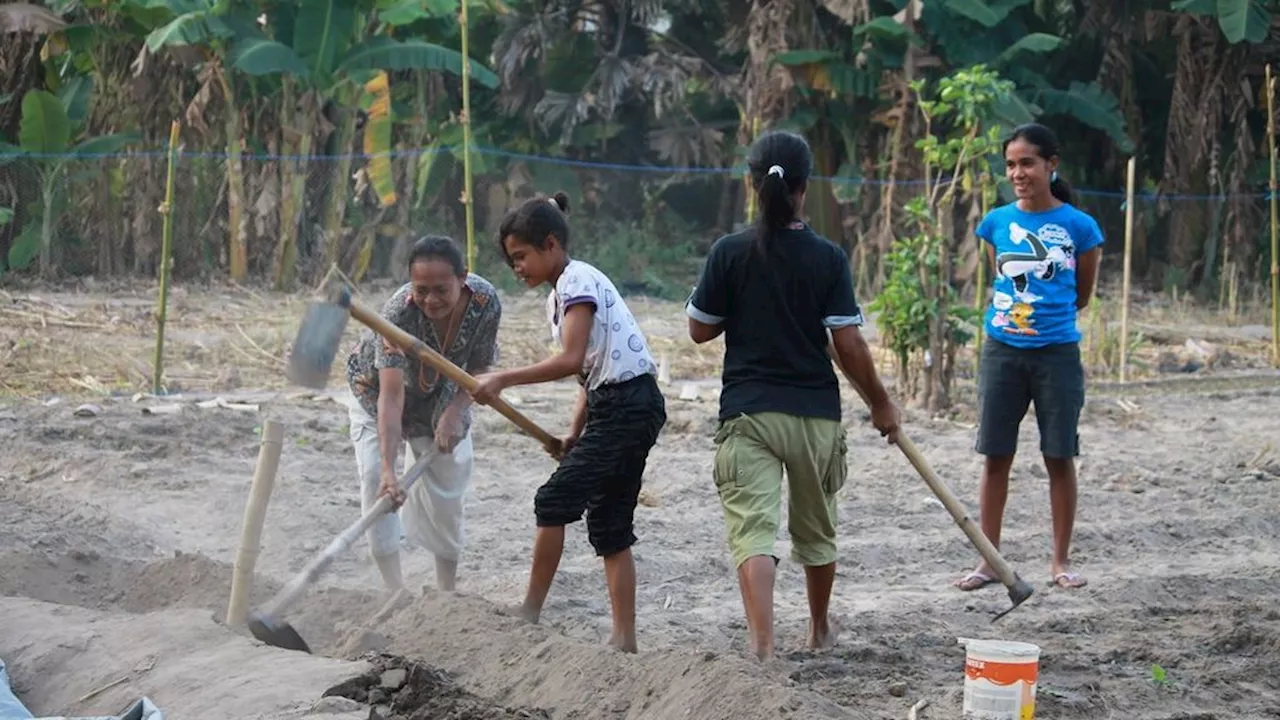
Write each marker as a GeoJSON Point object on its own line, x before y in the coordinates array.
{"type": "Point", "coordinates": [400, 689]}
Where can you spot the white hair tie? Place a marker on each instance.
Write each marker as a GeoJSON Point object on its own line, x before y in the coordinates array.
{"type": "Point", "coordinates": [553, 202]}
{"type": "Point", "coordinates": [776, 170]}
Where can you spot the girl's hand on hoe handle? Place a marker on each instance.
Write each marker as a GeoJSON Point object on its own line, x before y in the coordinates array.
{"type": "Point", "coordinates": [488, 387]}
{"type": "Point", "coordinates": [886, 418]}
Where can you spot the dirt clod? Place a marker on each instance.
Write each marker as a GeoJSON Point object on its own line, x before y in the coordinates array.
{"type": "Point", "coordinates": [401, 689]}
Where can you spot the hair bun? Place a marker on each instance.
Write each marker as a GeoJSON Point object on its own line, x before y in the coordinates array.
{"type": "Point", "coordinates": [562, 201]}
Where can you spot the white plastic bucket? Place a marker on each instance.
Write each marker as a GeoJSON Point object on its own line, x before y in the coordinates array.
{"type": "Point", "coordinates": [1000, 679]}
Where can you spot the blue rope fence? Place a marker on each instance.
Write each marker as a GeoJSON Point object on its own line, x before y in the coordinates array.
{"type": "Point", "coordinates": [568, 162]}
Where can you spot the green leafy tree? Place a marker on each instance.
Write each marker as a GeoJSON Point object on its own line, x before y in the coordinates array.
{"type": "Point", "coordinates": [919, 310]}
{"type": "Point", "coordinates": [45, 137]}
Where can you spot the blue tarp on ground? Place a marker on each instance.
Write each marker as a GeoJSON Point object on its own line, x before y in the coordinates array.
{"type": "Point", "coordinates": [12, 709]}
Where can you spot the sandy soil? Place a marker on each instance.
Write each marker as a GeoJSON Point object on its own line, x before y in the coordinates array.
{"type": "Point", "coordinates": [117, 532]}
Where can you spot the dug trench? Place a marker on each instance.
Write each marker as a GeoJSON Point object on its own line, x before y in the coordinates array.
{"type": "Point", "coordinates": [1175, 535]}
{"type": "Point", "coordinates": [88, 633]}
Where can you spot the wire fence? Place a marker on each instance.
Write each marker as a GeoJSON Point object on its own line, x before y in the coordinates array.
{"type": "Point", "coordinates": [648, 226]}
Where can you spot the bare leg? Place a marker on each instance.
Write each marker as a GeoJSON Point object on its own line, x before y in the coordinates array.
{"type": "Point", "coordinates": [1062, 502]}
{"type": "Point", "coordinates": [389, 567]}
{"type": "Point", "coordinates": [446, 574]}
{"type": "Point", "coordinates": [818, 581]}
{"type": "Point", "coordinates": [398, 596]}
{"type": "Point", "coordinates": [991, 499]}
{"type": "Point", "coordinates": [620, 574]}
{"type": "Point", "coordinates": [755, 577]}
{"type": "Point", "coordinates": [548, 546]}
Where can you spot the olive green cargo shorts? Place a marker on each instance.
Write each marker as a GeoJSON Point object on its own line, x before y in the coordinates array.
{"type": "Point", "coordinates": [752, 452]}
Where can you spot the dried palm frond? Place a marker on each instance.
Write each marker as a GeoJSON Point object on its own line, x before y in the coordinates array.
{"type": "Point", "coordinates": [688, 145]}
{"type": "Point", "coordinates": [853, 12]}
{"type": "Point", "coordinates": [25, 17]}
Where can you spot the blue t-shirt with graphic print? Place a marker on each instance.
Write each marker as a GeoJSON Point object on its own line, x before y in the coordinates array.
{"type": "Point", "coordinates": [1033, 301]}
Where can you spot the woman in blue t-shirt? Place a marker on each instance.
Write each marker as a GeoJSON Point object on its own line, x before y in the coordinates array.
{"type": "Point", "coordinates": [1045, 253]}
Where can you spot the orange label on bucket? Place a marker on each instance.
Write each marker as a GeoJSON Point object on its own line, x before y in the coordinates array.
{"type": "Point", "coordinates": [998, 673]}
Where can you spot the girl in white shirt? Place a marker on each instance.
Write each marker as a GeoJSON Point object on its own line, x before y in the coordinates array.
{"type": "Point", "coordinates": [616, 420]}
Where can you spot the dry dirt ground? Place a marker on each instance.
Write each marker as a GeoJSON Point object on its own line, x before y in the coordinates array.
{"type": "Point", "coordinates": [118, 530]}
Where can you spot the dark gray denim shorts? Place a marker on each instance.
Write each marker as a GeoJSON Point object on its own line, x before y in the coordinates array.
{"type": "Point", "coordinates": [1011, 378]}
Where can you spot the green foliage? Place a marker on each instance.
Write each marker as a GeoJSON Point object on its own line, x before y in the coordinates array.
{"type": "Point", "coordinates": [45, 127]}
{"type": "Point", "coordinates": [919, 312]}
{"type": "Point", "coordinates": [1090, 104]}
{"type": "Point", "coordinates": [260, 56]}
{"type": "Point", "coordinates": [1239, 20]}
{"type": "Point", "coordinates": [45, 131]}
{"type": "Point", "coordinates": [912, 298]}
{"type": "Point", "coordinates": [383, 53]}
{"type": "Point", "coordinates": [986, 12]}
{"type": "Point", "coordinates": [26, 246]}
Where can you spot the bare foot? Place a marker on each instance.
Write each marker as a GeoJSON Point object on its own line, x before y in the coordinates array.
{"type": "Point", "coordinates": [527, 614]}
{"type": "Point", "coordinates": [626, 645]}
{"type": "Point", "coordinates": [825, 636]}
{"type": "Point", "coordinates": [763, 653]}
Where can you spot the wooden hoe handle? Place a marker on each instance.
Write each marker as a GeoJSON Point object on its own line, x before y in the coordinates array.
{"type": "Point", "coordinates": [410, 344]}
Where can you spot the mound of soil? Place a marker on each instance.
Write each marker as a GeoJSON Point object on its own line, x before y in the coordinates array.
{"type": "Point", "coordinates": [397, 688]}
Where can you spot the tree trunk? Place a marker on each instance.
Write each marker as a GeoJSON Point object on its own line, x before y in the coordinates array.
{"type": "Point", "coordinates": [237, 222]}
{"type": "Point", "coordinates": [293, 183]}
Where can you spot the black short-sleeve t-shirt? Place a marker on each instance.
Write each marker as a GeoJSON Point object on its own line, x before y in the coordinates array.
{"type": "Point", "coordinates": [776, 311]}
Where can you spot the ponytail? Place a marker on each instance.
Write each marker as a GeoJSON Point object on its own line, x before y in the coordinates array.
{"type": "Point", "coordinates": [1061, 189]}
{"type": "Point", "coordinates": [777, 209]}
{"type": "Point", "coordinates": [780, 163]}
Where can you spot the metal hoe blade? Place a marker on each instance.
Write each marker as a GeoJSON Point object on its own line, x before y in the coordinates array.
{"type": "Point", "coordinates": [276, 634]}
{"type": "Point", "coordinates": [316, 344]}
{"type": "Point", "coordinates": [1018, 594]}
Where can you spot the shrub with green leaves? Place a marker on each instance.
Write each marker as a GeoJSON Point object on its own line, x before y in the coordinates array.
{"type": "Point", "coordinates": [919, 312]}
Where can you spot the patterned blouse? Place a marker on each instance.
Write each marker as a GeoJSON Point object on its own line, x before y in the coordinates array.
{"type": "Point", "coordinates": [427, 393]}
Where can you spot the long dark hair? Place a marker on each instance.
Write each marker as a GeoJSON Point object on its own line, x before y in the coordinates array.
{"type": "Point", "coordinates": [1046, 144]}
{"type": "Point", "coordinates": [534, 221]}
{"type": "Point", "coordinates": [780, 163]}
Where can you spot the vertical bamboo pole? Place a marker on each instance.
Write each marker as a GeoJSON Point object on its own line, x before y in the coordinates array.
{"type": "Point", "coordinates": [980, 281]}
{"type": "Point", "coordinates": [1128, 269]}
{"type": "Point", "coordinates": [1275, 231]}
{"type": "Point", "coordinates": [166, 249]}
{"type": "Point", "coordinates": [466, 137]}
{"type": "Point", "coordinates": [255, 512]}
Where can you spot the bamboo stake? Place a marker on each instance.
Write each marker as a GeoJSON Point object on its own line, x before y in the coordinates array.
{"type": "Point", "coordinates": [1275, 231]}
{"type": "Point", "coordinates": [166, 249]}
{"type": "Point", "coordinates": [980, 294]}
{"type": "Point", "coordinates": [751, 193]}
{"type": "Point", "coordinates": [1128, 269]}
{"type": "Point", "coordinates": [466, 137]}
{"type": "Point", "coordinates": [255, 511]}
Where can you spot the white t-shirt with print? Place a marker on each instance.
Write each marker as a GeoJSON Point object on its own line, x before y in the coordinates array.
{"type": "Point", "coordinates": [616, 349]}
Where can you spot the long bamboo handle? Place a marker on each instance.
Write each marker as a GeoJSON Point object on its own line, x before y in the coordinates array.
{"type": "Point", "coordinates": [314, 569]}
{"type": "Point", "coordinates": [980, 541]}
{"type": "Point", "coordinates": [409, 343]}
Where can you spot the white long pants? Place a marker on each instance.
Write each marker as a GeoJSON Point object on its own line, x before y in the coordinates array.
{"type": "Point", "coordinates": [432, 512]}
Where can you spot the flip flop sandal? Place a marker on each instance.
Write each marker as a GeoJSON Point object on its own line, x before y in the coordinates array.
{"type": "Point", "coordinates": [982, 578]}
{"type": "Point", "coordinates": [1074, 581]}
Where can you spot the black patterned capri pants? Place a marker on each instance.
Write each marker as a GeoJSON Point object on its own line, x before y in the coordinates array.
{"type": "Point", "coordinates": [601, 474]}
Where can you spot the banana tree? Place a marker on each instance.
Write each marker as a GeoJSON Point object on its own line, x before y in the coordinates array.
{"type": "Point", "coordinates": [328, 50]}
{"type": "Point", "coordinates": [1239, 20]}
{"type": "Point", "coordinates": [205, 30]}
{"type": "Point", "coordinates": [44, 136]}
